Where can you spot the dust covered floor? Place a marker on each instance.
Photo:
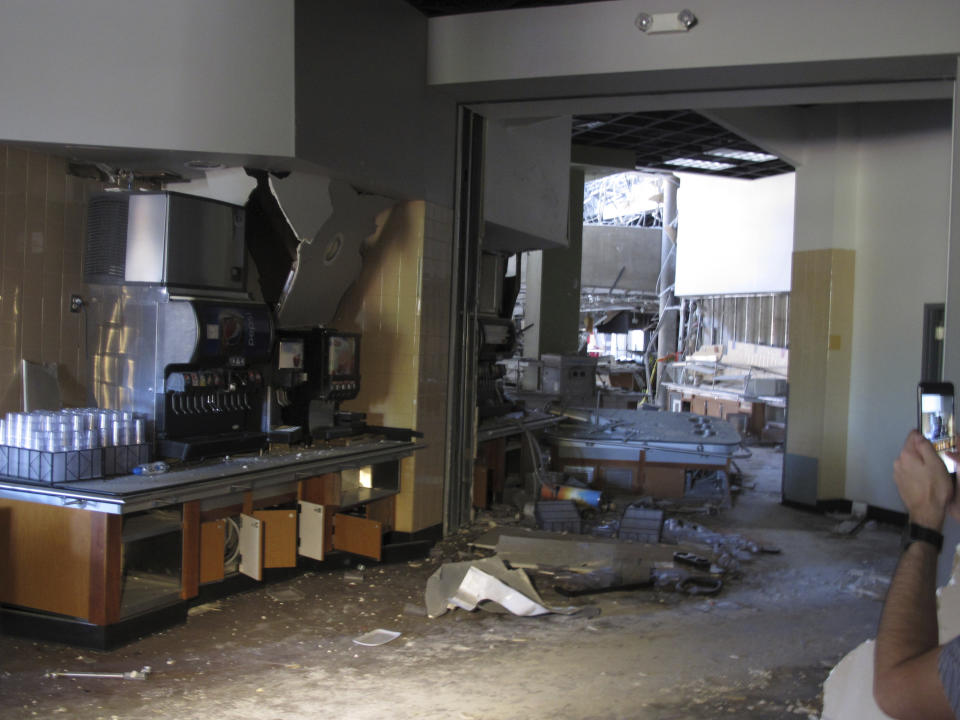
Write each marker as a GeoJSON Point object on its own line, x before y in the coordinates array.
{"type": "Point", "coordinates": [759, 649]}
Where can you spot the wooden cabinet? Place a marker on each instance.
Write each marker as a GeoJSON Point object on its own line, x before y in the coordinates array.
{"type": "Point", "coordinates": [102, 568]}
{"type": "Point", "coordinates": [60, 560]}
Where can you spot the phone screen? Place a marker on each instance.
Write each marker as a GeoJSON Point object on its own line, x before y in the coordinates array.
{"type": "Point", "coordinates": [937, 424]}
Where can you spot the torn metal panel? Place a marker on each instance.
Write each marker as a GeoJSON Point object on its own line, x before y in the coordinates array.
{"type": "Point", "coordinates": [469, 585]}
{"type": "Point", "coordinates": [333, 223]}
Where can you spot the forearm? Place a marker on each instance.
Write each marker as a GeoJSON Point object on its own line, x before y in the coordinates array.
{"type": "Point", "coordinates": [908, 625]}
{"type": "Point", "coordinates": [906, 680]}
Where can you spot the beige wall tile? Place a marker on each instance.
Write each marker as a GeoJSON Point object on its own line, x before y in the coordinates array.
{"type": "Point", "coordinates": [42, 212]}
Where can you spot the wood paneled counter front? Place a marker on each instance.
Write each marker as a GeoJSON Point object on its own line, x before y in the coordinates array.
{"type": "Point", "coordinates": [95, 562]}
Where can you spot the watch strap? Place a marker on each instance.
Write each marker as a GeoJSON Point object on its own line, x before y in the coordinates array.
{"type": "Point", "coordinates": [924, 534]}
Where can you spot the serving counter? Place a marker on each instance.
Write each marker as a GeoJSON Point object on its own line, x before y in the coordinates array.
{"type": "Point", "coordinates": [97, 561]}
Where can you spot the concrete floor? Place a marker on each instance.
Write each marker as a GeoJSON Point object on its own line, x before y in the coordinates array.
{"type": "Point", "coordinates": [760, 649]}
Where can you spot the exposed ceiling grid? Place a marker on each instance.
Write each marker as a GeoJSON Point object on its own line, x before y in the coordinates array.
{"type": "Point", "coordinates": [657, 137]}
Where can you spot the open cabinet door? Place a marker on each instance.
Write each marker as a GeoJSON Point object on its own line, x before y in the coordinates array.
{"type": "Point", "coordinates": [279, 537]}
{"type": "Point", "coordinates": [251, 547]}
{"type": "Point", "coordinates": [358, 536]}
{"type": "Point", "coordinates": [311, 530]}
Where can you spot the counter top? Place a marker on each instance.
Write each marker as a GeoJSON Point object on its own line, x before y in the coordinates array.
{"type": "Point", "coordinates": [231, 475]}
{"type": "Point", "coordinates": [663, 436]}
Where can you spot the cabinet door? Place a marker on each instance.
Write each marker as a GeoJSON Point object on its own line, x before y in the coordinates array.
{"type": "Point", "coordinates": [312, 530]}
{"type": "Point", "coordinates": [357, 535]}
{"type": "Point", "coordinates": [251, 547]}
{"type": "Point", "coordinates": [212, 539]}
{"type": "Point", "coordinates": [279, 537]}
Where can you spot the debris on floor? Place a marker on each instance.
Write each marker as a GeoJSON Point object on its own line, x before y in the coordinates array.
{"type": "Point", "coordinates": [285, 595]}
{"type": "Point", "coordinates": [376, 637]}
{"type": "Point", "coordinates": [479, 583]}
{"type": "Point", "coordinates": [140, 674]}
{"type": "Point", "coordinates": [868, 584]}
{"type": "Point", "coordinates": [641, 524]}
{"type": "Point", "coordinates": [557, 516]}
{"type": "Point", "coordinates": [580, 494]}
{"type": "Point", "coordinates": [739, 547]}
{"type": "Point", "coordinates": [213, 606]}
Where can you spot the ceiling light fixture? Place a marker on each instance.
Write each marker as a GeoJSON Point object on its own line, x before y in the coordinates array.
{"type": "Point", "coordinates": [653, 24]}
{"type": "Point", "coordinates": [745, 155]}
{"type": "Point", "coordinates": [699, 164]}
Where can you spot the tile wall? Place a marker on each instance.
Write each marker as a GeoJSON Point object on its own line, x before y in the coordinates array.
{"type": "Point", "coordinates": [400, 303]}
{"type": "Point", "coordinates": [41, 235]}
{"type": "Point", "coordinates": [434, 358]}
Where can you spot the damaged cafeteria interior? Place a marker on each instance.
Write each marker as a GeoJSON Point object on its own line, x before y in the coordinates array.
{"type": "Point", "coordinates": [463, 359]}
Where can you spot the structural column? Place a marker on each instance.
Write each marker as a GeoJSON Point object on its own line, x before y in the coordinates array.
{"type": "Point", "coordinates": [669, 313]}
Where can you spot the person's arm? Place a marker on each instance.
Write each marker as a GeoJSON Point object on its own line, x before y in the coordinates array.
{"type": "Point", "coordinates": [906, 681]}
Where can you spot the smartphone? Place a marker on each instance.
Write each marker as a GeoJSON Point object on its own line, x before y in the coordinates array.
{"type": "Point", "coordinates": [935, 418]}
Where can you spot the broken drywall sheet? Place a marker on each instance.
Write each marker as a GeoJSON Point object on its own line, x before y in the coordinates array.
{"type": "Point", "coordinates": [848, 690]}
{"type": "Point", "coordinates": [469, 585]}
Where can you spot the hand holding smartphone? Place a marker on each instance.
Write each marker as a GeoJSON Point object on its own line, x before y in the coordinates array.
{"type": "Point", "coordinates": [936, 419]}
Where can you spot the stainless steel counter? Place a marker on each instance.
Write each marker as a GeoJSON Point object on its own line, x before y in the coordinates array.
{"type": "Point", "coordinates": [665, 437]}
{"type": "Point", "coordinates": [271, 473]}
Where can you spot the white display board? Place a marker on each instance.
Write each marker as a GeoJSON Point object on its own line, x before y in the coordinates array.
{"type": "Point", "coordinates": [734, 236]}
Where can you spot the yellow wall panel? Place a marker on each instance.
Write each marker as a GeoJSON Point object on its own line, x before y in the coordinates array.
{"type": "Point", "coordinates": [821, 329]}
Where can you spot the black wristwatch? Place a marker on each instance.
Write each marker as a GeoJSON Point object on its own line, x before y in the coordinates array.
{"type": "Point", "coordinates": [923, 534]}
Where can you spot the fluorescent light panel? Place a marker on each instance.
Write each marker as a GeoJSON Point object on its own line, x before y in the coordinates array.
{"type": "Point", "coordinates": [745, 155]}
{"type": "Point", "coordinates": [700, 164]}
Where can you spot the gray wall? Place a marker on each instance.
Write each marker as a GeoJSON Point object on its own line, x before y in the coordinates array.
{"type": "Point", "coordinates": [364, 113]}
{"type": "Point", "coordinates": [607, 249]}
{"type": "Point", "coordinates": [595, 48]}
{"type": "Point", "coordinates": [873, 178]}
{"type": "Point", "coordinates": [211, 76]}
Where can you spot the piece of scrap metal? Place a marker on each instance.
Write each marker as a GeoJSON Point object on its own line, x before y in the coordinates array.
{"type": "Point", "coordinates": [140, 674]}
{"type": "Point", "coordinates": [482, 583]}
